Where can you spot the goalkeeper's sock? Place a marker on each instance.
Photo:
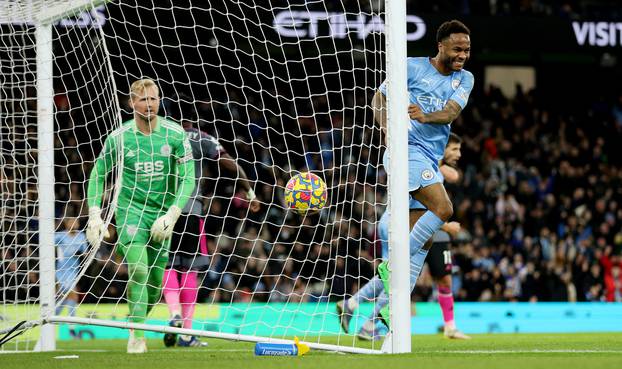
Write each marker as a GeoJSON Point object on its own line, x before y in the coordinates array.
{"type": "Point", "coordinates": [368, 292]}
{"type": "Point", "coordinates": [155, 278]}
{"type": "Point", "coordinates": [446, 301]}
{"type": "Point", "coordinates": [188, 296]}
{"type": "Point", "coordinates": [137, 295]}
{"type": "Point", "coordinates": [171, 291]}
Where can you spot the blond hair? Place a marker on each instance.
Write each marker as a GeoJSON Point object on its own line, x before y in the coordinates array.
{"type": "Point", "coordinates": [140, 85]}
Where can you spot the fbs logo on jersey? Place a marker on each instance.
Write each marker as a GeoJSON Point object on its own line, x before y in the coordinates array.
{"type": "Point", "coordinates": [427, 174]}
{"type": "Point", "coordinates": [149, 169]}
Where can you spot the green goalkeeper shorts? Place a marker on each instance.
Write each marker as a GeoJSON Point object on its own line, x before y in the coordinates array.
{"type": "Point", "coordinates": [135, 228]}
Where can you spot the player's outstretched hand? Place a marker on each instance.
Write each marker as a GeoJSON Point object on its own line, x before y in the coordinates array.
{"type": "Point", "coordinates": [96, 228]}
{"type": "Point", "coordinates": [415, 112]}
{"type": "Point", "coordinates": [453, 228]}
{"type": "Point", "coordinates": [162, 228]}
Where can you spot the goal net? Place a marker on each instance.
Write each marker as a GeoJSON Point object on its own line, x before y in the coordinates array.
{"type": "Point", "coordinates": [283, 86]}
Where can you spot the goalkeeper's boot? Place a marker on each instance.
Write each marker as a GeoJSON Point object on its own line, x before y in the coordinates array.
{"type": "Point", "coordinates": [170, 339]}
{"type": "Point", "coordinates": [345, 314]}
{"type": "Point", "coordinates": [455, 334]}
{"type": "Point", "coordinates": [136, 345]}
{"type": "Point", "coordinates": [190, 341]}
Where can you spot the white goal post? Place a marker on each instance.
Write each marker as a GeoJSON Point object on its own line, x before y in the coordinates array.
{"type": "Point", "coordinates": [285, 87]}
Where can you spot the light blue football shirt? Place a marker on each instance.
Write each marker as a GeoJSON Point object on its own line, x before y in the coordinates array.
{"type": "Point", "coordinates": [431, 91]}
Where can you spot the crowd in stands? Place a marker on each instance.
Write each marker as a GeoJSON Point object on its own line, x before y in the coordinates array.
{"type": "Point", "coordinates": [539, 202]}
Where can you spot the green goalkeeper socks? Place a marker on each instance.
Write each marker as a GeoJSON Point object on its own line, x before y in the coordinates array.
{"type": "Point", "coordinates": [145, 282]}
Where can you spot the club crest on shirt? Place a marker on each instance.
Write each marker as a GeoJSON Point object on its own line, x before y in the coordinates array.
{"type": "Point", "coordinates": [455, 83]}
{"type": "Point", "coordinates": [427, 174]}
{"type": "Point", "coordinates": [131, 230]}
{"type": "Point", "coordinates": [165, 150]}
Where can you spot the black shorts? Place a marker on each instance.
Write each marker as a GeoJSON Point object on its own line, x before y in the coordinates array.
{"type": "Point", "coordinates": [188, 245]}
{"type": "Point", "coordinates": [439, 259]}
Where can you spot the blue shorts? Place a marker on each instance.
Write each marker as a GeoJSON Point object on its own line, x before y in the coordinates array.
{"type": "Point", "coordinates": [422, 171]}
{"type": "Point", "coordinates": [65, 279]}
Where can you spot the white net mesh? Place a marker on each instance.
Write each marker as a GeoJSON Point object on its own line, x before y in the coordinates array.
{"type": "Point", "coordinates": [284, 86]}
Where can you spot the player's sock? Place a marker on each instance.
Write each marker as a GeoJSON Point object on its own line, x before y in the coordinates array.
{"type": "Point", "coordinates": [59, 308]}
{"type": "Point", "coordinates": [368, 292]}
{"type": "Point", "coordinates": [425, 227]}
{"type": "Point", "coordinates": [71, 307]}
{"type": "Point", "coordinates": [188, 296]}
{"type": "Point", "coordinates": [137, 295]}
{"type": "Point", "coordinates": [416, 264]}
{"type": "Point", "coordinates": [156, 277]}
{"type": "Point", "coordinates": [381, 302]}
{"type": "Point", "coordinates": [171, 291]}
{"type": "Point", "coordinates": [446, 301]}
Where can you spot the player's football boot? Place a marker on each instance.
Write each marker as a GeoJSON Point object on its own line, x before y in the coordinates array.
{"type": "Point", "coordinates": [192, 341]}
{"type": "Point", "coordinates": [170, 339]}
{"type": "Point", "coordinates": [345, 314]}
{"type": "Point", "coordinates": [385, 316]}
{"type": "Point", "coordinates": [136, 345]}
{"type": "Point", "coordinates": [371, 332]}
{"type": "Point", "coordinates": [455, 334]}
{"type": "Point", "coordinates": [384, 274]}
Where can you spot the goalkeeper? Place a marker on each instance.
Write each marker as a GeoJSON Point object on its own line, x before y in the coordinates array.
{"type": "Point", "coordinates": [157, 179]}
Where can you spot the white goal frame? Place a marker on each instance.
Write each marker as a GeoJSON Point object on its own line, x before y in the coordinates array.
{"type": "Point", "coordinates": [397, 101]}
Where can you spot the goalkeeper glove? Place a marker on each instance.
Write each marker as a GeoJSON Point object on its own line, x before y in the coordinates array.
{"type": "Point", "coordinates": [96, 228]}
{"type": "Point", "coordinates": [162, 228]}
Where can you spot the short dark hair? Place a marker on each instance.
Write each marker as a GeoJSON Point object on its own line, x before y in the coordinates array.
{"type": "Point", "coordinates": [449, 27]}
{"type": "Point", "coordinates": [454, 138]}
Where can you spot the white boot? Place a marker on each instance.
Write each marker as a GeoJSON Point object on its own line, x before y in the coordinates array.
{"type": "Point", "coordinates": [136, 345]}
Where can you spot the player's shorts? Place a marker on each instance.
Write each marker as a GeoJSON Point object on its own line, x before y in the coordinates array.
{"type": "Point", "coordinates": [134, 228]}
{"type": "Point", "coordinates": [65, 279]}
{"type": "Point", "coordinates": [422, 171]}
{"type": "Point", "coordinates": [189, 245]}
{"type": "Point", "coordinates": [439, 259]}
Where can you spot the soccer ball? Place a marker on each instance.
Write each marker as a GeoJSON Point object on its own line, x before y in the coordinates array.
{"type": "Point", "coordinates": [305, 192]}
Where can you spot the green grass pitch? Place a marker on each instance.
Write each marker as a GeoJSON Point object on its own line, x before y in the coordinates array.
{"type": "Point", "coordinates": [505, 351]}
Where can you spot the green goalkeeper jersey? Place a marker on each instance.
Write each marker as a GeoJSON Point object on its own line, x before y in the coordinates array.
{"type": "Point", "coordinates": [157, 169]}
